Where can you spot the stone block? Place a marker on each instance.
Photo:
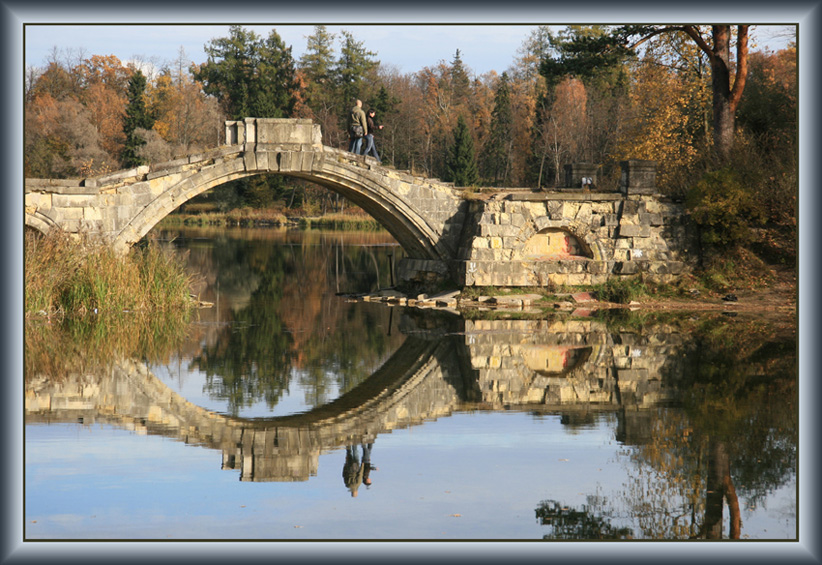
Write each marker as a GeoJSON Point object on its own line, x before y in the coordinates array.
{"type": "Point", "coordinates": [92, 213]}
{"type": "Point", "coordinates": [175, 164]}
{"type": "Point", "coordinates": [651, 219]}
{"type": "Point", "coordinates": [71, 225]}
{"type": "Point", "coordinates": [263, 162]}
{"type": "Point", "coordinates": [632, 375]}
{"type": "Point", "coordinates": [632, 207]}
{"type": "Point", "coordinates": [39, 200]}
{"type": "Point", "coordinates": [626, 267]}
{"type": "Point", "coordinates": [250, 160]}
{"type": "Point", "coordinates": [634, 231]}
{"type": "Point", "coordinates": [70, 189]}
{"type": "Point", "coordinates": [141, 200]}
{"type": "Point", "coordinates": [73, 200]}
{"type": "Point", "coordinates": [62, 214]}
{"type": "Point", "coordinates": [638, 177]}
{"type": "Point", "coordinates": [509, 242]}
{"type": "Point", "coordinates": [597, 267]}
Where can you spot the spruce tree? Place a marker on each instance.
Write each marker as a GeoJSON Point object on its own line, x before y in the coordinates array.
{"type": "Point", "coordinates": [460, 163]}
{"type": "Point", "coordinates": [497, 155]}
{"type": "Point", "coordinates": [317, 64]}
{"type": "Point", "coordinates": [137, 116]}
{"type": "Point", "coordinates": [353, 73]}
{"type": "Point", "coordinates": [460, 83]}
{"type": "Point", "coordinates": [252, 77]}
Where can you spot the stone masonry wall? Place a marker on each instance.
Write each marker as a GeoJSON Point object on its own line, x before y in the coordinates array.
{"type": "Point", "coordinates": [608, 234]}
{"type": "Point", "coordinates": [539, 366]}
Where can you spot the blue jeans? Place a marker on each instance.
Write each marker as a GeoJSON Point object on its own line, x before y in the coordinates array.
{"type": "Point", "coordinates": [370, 148]}
{"type": "Point", "coordinates": [355, 145]}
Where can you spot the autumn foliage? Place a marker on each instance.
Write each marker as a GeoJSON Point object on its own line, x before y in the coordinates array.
{"type": "Point", "coordinates": [567, 97]}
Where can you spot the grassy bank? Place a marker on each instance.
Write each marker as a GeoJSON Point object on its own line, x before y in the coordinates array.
{"type": "Point", "coordinates": [64, 276]}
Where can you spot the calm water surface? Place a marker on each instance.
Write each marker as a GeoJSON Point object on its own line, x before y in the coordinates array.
{"type": "Point", "coordinates": [289, 412]}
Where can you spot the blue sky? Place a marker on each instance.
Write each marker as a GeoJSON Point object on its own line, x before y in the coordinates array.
{"type": "Point", "coordinates": [409, 48]}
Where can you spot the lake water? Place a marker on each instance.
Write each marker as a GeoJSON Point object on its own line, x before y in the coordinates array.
{"type": "Point", "coordinates": [288, 412]}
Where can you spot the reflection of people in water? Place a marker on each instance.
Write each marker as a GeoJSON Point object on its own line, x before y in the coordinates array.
{"type": "Point", "coordinates": [352, 470]}
{"type": "Point", "coordinates": [366, 464]}
{"type": "Point", "coordinates": [355, 471]}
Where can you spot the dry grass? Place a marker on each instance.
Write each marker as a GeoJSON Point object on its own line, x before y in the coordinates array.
{"type": "Point", "coordinates": [66, 276]}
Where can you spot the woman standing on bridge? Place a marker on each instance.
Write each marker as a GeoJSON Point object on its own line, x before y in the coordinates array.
{"type": "Point", "coordinates": [370, 147]}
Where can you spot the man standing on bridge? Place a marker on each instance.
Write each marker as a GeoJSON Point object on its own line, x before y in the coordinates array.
{"type": "Point", "coordinates": [357, 128]}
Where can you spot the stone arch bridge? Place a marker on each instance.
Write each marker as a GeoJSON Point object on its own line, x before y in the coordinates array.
{"type": "Point", "coordinates": [508, 237]}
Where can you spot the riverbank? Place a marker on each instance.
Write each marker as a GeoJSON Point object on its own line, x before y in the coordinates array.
{"type": "Point", "coordinates": [776, 301]}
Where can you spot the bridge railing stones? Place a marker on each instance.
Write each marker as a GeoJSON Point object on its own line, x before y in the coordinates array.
{"type": "Point", "coordinates": [638, 177]}
{"type": "Point", "coordinates": [581, 175]}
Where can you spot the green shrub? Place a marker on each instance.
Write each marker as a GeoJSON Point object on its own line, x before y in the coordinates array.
{"type": "Point", "coordinates": [621, 290]}
{"type": "Point", "coordinates": [724, 209]}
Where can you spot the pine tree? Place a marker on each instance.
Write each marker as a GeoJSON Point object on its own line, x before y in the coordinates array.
{"type": "Point", "coordinates": [137, 116]}
{"type": "Point", "coordinates": [318, 60]}
{"type": "Point", "coordinates": [251, 77]}
{"type": "Point", "coordinates": [460, 83]}
{"type": "Point", "coordinates": [460, 163]}
{"type": "Point", "coordinates": [317, 64]}
{"type": "Point", "coordinates": [497, 155]}
{"type": "Point", "coordinates": [274, 90]}
{"type": "Point", "coordinates": [352, 72]}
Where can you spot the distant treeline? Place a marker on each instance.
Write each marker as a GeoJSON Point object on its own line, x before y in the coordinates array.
{"type": "Point", "coordinates": [588, 94]}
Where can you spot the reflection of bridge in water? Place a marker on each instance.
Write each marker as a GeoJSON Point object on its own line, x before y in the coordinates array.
{"type": "Point", "coordinates": [572, 368]}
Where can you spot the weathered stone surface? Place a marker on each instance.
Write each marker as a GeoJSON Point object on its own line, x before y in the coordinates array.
{"type": "Point", "coordinates": [479, 242]}
{"type": "Point", "coordinates": [634, 231]}
{"type": "Point", "coordinates": [638, 177]}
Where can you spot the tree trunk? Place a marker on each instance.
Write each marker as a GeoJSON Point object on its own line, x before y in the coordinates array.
{"type": "Point", "coordinates": [724, 122]}
{"type": "Point", "coordinates": [717, 460]}
{"type": "Point", "coordinates": [720, 488]}
{"type": "Point", "coordinates": [726, 97]}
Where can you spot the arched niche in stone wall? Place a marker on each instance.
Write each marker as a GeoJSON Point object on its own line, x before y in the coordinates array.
{"type": "Point", "coordinates": [554, 360]}
{"type": "Point", "coordinates": [551, 244]}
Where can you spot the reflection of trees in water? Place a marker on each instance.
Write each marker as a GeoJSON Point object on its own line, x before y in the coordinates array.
{"type": "Point", "coordinates": [733, 436]}
{"type": "Point", "coordinates": [59, 348]}
{"type": "Point", "coordinates": [291, 327]}
{"type": "Point", "coordinates": [587, 523]}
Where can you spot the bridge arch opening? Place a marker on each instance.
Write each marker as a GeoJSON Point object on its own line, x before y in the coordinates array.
{"type": "Point", "coordinates": [551, 244]}
{"type": "Point", "coordinates": [368, 191]}
{"type": "Point", "coordinates": [555, 360]}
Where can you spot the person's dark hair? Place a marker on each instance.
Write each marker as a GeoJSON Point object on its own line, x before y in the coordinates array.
{"type": "Point", "coordinates": [372, 111]}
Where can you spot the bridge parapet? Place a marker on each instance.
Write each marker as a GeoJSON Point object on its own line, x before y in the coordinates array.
{"type": "Point", "coordinates": [293, 134]}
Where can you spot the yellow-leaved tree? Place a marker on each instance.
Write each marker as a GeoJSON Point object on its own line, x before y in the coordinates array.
{"type": "Point", "coordinates": [663, 120]}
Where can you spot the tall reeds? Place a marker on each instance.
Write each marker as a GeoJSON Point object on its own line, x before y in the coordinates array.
{"type": "Point", "coordinates": [74, 277]}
